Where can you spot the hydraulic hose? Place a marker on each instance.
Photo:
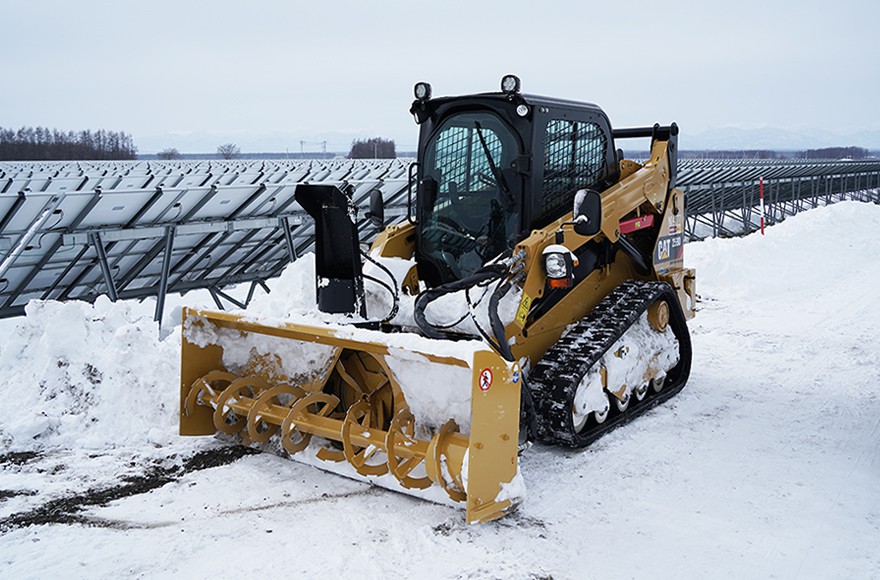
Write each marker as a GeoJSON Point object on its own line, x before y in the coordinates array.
{"type": "Point", "coordinates": [391, 288]}
{"type": "Point", "coordinates": [495, 321]}
{"type": "Point", "coordinates": [487, 273]}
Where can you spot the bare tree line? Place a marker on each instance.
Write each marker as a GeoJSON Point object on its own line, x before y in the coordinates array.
{"type": "Point", "coordinates": [375, 148]}
{"type": "Point", "coordinates": [44, 144]}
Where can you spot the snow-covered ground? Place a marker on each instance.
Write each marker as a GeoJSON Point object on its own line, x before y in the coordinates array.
{"type": "Point", "coordinates": [766, 465]}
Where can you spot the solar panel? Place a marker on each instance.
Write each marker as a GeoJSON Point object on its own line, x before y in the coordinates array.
{"type": "Point", "coordinates": [74, 230]}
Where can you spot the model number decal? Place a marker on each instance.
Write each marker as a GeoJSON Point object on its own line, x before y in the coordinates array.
{"type": "Point", "coordinates": [669, 248]}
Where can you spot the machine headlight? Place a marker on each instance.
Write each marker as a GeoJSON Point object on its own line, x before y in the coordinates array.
{"type": "Point", "coordinates": [555, 266]}
{"type": "Point", "coordinates": [559, 265]}
{"type": "Point", "coordinates": [522, 110]}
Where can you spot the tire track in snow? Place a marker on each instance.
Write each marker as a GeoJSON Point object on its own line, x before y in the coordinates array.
{"type": "Point", "coordinates": [66, 510]}
{"type": "Point", "coordinates": [119, 524]}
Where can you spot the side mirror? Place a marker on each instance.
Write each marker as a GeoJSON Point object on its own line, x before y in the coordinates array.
{"type": "Point", "coordinates": [587, 212]}
{"type": "Point", "coordinates": [377, 209]}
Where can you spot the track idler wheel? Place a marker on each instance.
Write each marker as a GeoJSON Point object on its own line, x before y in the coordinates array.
{"type": "Point", "coordinates": [211, 385]}
{"type": "Point", "coordinates": [259, 431]}
{"type": "Point", "coordinates": [292, 439]}
{"type": "Point", "coordinates": [360, 417]}
{"type": "Point", "coordinates": [225, 418]}
{"type": "Point", "coordinates": [658, 315]}
{"type": "Point", "coordinates": [402, 433]}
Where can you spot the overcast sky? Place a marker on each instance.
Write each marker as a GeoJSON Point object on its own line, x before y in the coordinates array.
{"type": "Point", "coordinates": [160, 70]}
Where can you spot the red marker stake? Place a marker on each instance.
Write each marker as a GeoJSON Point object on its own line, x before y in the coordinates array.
{"type": "Point", "coordinates": [761, 196]}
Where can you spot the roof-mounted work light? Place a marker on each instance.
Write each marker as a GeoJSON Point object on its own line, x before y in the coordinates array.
{"type": "Point", "coordinates": [510, 84]}
{"type": "Point", "coordinates": [419, 108]}
{"type": "Point", "coordinates": [422, 91]}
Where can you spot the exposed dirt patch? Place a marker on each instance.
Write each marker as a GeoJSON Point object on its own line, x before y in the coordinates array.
{"type": "Point", "coordinates": [66, 510]}
{"type": "Point", "coordinates": [7, 493]}
{"type": "Point", "coordinates": [19, 457]}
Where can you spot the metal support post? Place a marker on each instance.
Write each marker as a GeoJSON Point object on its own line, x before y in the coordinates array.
{"type": "Point", "coordinates": [288, 239]}
{"type": "Point", "coordinates": [95, 241]}
{"type": "Point", "coordinates": [166, 272]}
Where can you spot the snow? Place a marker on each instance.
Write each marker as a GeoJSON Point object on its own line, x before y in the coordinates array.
{"type": "Point", "coordinates": [87, 376]}
{"type": "Point", "coordinates": [765, 465]}
{"type": "Point", "coordinates": [654, 355]}
{"type": "Point", "coordinates": [447, 395]}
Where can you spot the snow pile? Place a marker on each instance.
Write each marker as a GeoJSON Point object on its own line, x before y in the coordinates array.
{"type": "Point", "coordinates": [434, 392]}
{"type": "Point", "coordinates": [803, 257]}
{"type": "Point", "coordinates": [293, 294]}
{"type": "Point", "coordinates": [83, 375]}
{"type": "Point", "coordinates": [766, 463]}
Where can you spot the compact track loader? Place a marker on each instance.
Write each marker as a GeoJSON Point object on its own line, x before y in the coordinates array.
{"type": "Point", "coordinates": [539, 294]}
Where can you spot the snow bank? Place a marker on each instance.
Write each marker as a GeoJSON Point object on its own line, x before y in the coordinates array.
{"type": "Point", "coordinates": [83, 375]}
{"type": "Point", "coordinates": [807, 254]}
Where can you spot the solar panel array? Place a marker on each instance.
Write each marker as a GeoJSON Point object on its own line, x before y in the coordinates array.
{"type": "Point", "coordinates": [133, 229]}
{"type": "Point", "coordinates": [723, 195]}
{"type": "Point", "coordinates": [138, 229]}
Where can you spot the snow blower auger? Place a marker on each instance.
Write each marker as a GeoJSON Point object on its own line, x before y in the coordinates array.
{"type": "Point", "coordinates": [537, 292]}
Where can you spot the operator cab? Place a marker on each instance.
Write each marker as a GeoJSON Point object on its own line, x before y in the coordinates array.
{"type": "Point", "coordinates": [494, 166]}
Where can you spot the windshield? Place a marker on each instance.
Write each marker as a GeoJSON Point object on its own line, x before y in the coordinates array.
{"type": "Point", "coordinates": [475, 213]}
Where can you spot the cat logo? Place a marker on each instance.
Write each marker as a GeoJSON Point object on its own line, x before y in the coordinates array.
{"type": "Point", "coordinates": [669, 248]}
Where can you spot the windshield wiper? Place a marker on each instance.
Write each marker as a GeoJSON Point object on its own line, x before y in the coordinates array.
{"type": "Point", "coordinates": [499, 177]}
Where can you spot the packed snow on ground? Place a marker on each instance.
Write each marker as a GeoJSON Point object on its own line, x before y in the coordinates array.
{"type": "Point", "coordinates": [766, 465]}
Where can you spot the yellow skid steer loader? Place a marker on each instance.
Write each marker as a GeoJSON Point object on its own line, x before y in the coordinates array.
{"type": "Point", "coordinates": [542, 297]}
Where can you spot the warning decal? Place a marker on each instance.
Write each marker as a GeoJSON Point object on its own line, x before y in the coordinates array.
{"type": "Point", "coordinates": [523, 310]}
{"type": "Point", "coordinates": [485, 379]}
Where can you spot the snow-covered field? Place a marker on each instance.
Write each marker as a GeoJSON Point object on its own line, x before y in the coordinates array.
{"type": "Point", "coordinates": [767, 465]}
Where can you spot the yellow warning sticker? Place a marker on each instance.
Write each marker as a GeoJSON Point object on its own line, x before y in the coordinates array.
{"type": "Point", "coordinates": [523, 310]}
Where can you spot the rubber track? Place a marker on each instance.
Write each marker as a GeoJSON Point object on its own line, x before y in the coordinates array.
{"type": "Point", "coordinates": [554, 380]}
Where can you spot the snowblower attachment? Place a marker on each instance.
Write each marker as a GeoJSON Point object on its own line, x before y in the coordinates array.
{"type": "Point", "coordinates": [362, 408]}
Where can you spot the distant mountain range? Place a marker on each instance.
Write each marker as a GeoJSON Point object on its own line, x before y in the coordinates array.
{"type": "Point", "coordinates": [725, 139]}
{"type": "Point", "coordinates": [776, 139]}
